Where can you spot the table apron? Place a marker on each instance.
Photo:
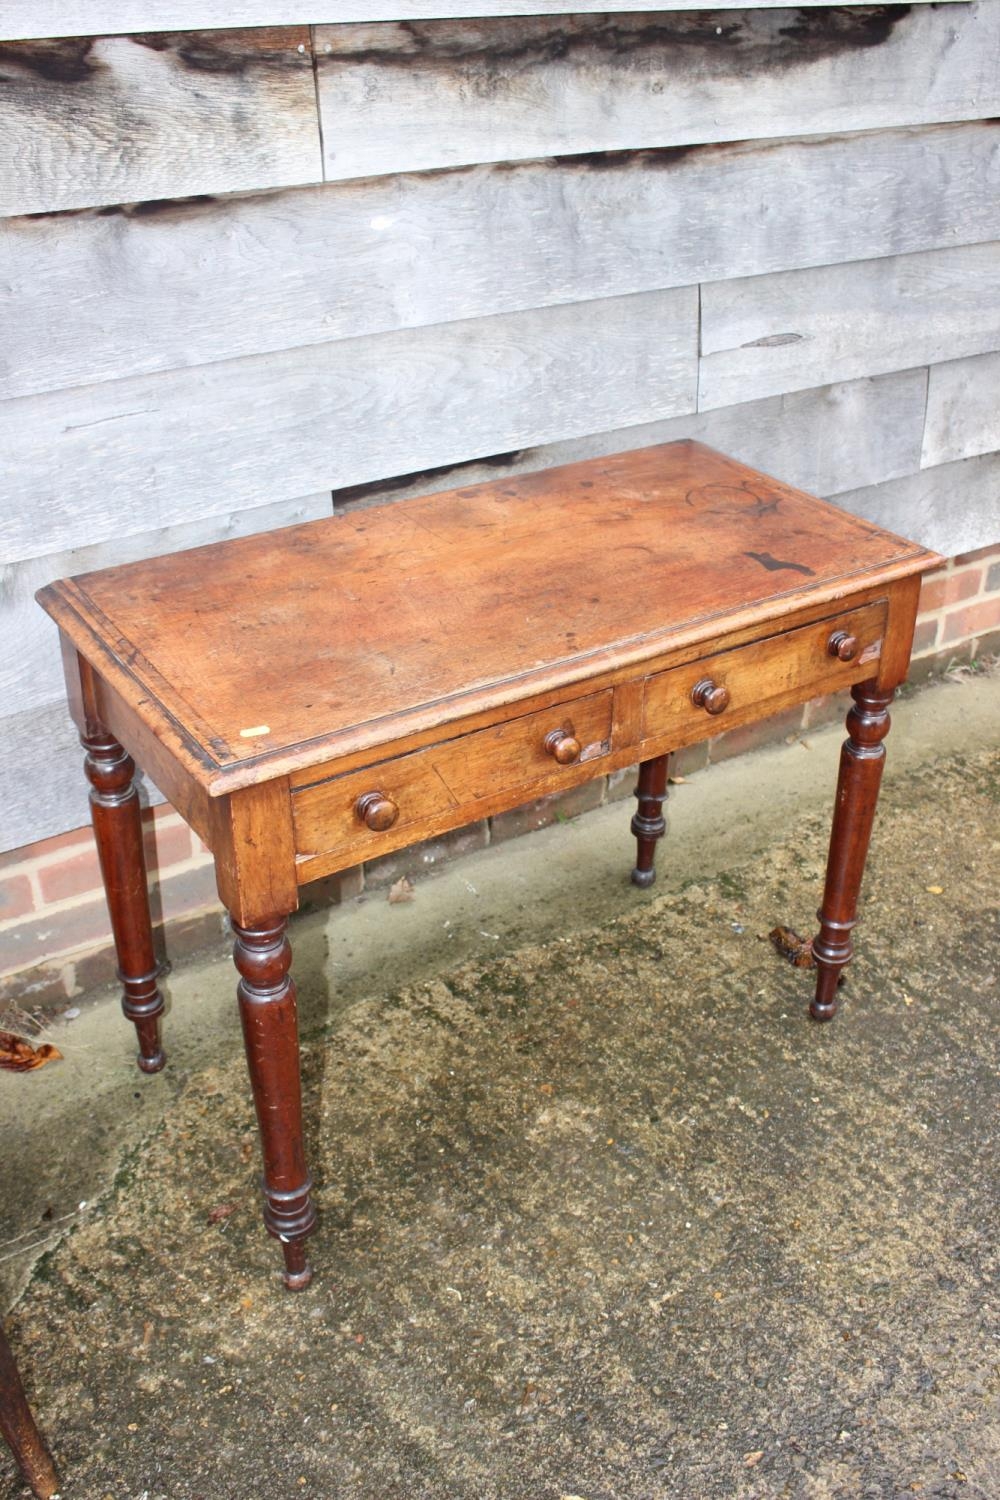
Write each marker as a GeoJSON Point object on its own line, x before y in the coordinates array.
{"type": "Point", "coordinates": [465, 778]}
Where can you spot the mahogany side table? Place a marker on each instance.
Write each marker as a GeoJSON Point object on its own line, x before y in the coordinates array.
{"type": "Point", "coordinates": [321, 695]}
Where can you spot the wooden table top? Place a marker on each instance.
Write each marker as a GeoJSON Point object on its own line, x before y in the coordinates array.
{"type": "Point", "coordinates": [355, 629]}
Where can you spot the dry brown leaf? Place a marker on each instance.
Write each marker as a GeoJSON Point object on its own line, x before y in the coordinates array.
{"type": "Point", "coordinates": [221, 1211]}
{"type": "Point", "coordinates": [798, 950]}
{"type": "Point", "coordinates": [935, 890]}
{"type": "Point", "coordinates": [753, 1458]}
{"type": "Point", "coordinates": [19, 1056]}
{"type": "Point", "coordinates": [400, 890]}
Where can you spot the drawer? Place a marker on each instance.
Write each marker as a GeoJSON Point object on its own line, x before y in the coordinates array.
{"type": "Point", "coordinates": [749, 682]}
{"type": "Point", "coordinates": [371, 811]}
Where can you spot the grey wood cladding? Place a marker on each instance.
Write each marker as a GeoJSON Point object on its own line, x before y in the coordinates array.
{"type": "Point", "coordinates": [966, 493]}
{"type": "Point", "coordinates": [963, 411]}
{"type": "Point", "coordinates": [398, 98]}
{"type": "Point", "coordinates": [185, 444]}
{"type": "Point", "coordinates": [52, 18]}
{"type": "Point", "coordinates": [774, 333]}
{"type": "Point", "coordinates": [99, 296]}
{"type": "Point", "coordinates": [402, 246]}
{"type": "Point", "coordinates": [105, 120]}
{"type": "Point", "coordinates": [826, 439]}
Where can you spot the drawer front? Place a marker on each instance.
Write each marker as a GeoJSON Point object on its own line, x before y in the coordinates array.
{"type": "Point", "coordinates": [749, 682]}
{"type": "Point", "coordinates": [445, 784]}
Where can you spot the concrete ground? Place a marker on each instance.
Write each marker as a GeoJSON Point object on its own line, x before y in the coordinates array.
{"type": "Point", "coordinates": [604, 1216]}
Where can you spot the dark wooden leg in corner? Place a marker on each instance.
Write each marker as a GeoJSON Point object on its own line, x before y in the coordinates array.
{"type": "Point", "coordinates": [114, 804]}
{"type": "Point", "coordinates": [649, 824]}
{"type": "Point", "coordinates": [861, 761]}
{"type": "Point", "coordinates": [18, 1427]}
{"type": "Point", "coordinates": [263, 956]}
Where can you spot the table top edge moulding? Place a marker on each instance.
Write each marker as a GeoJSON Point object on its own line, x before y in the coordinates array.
{"type": "Point", "coordinates": [642, 512]}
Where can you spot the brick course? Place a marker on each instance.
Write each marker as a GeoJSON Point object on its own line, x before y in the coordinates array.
{"type": "Point", "coordinates": [54, 934]}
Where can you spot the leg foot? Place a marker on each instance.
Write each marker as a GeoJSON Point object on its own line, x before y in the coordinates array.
{"type": "Point", "coordinates": [270, 1032]}
{"type": "Point", "coordinates": [649, 824]}
{"type": "Point", "coordinates": [114, 804]}
{"type": "Point", "coordinates": [18, 1427]}
{"type": "Point", "coordinates": [298, 1272]}
{"type": "Point", "coordinates": [861, 761]}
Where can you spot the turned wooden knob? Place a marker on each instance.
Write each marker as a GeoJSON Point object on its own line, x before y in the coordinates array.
{"type": "Point", "coordinates": [561, 745]}
{"type": "Point", "coordinates": [710, 696]}
{"type": "Point", "coordinates": [376, 810]}
{"type": "Point", "coordinates": [842, 645]}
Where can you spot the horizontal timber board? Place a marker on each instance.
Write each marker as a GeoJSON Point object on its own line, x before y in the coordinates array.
{"type": "Point", "coordinates": [494, 90]}
{"type": "Point", "coordinates": [33, 673]}
{"type": "Point", "coordinates": [44, 18]}
{"type": "Point", "coordinates": [156, 450]}
{"type": "Point", "coordinates": [44, 735]}
{"type": "Point", "coordinates": [952, 507]}
{"type": "Point", "coordinates": [784, 332]}
{"type": "Point", "coordinates": [94, 295]}
{"type": "Point", "coordinates": [105, 120]}
{"type": "Point", "coordinates": [963, 410]}
{"type": "Point", "coordinates": [836, 437]}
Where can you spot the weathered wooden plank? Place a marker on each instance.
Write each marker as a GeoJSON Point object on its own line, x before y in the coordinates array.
{"type": "Point", "coordinates": [492, 90]}
{"type": "Point", "coordinates": [963, 409]}
{"type": "Point", "coordinates": [831, 438]}
{"type": "Point", "coordinates": [94, 296]}
{"type": "Point", "coordinates": [33, 673]}
{"type": "Point", "coordinates": [160, 449]}
{"type": "Point", "coordinates": [43, 18]}
{"type": "Point", "coordinates": [113, 119]}
{"type": "Point", "coordinates": [794, 329]}
{"type": "Point", "coordinates": [45, 734]}
{"type": "Point", "coordinates": [952, 507]}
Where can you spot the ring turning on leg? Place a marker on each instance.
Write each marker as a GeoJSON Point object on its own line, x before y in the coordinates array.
{"type": "Point", "coordinates": [114, 807]}
{"type": "Point", "coordinates": [649, 823]}
{"type": "Point", "coordinates": [861, 761]}
{"type": "Point", "coordinates": [270, 1032]}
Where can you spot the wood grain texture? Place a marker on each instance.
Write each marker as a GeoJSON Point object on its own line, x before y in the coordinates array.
{"type": "Point", "coordinates": [98, 296]}
{"type": "Point", "coordinates": [164, 449]}
{"type": "Point", "coordinates": [344, 630]}
{"type": "Point", "coordinates": [795, 664]}
{"type": "Point", "coordinates": [494, 90]}
{"type": "Point", "coordinates": [784, 332]}
{"type": "Point", "coordinates": [254, 848]}
{"type": "Point", "coordinates": [952, 507]}
{"type": "Point", "coordinates": [31, 674]}
{"type": "Point", "coordinates": [201, 112]}
{"type": "Point", "coordinates": [44, 18]}
{"type": "Point", "coordinates": [453, 777]}
{"type": "Point", "coordinates": [963, 410]}
{"type": "Point", "coordinates": [826, 439]}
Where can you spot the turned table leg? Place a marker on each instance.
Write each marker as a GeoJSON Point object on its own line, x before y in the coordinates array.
{"type": "Point", "coordinates": [114, 804]}
{"type": "Point", "coordinates": [18, 1427]}
{"type": "Point", "coordinates": [648, 823]}
{"type": "Point", "coordinates": [861, 761]}
{"type": "Point", "coordinates": [263, 956]}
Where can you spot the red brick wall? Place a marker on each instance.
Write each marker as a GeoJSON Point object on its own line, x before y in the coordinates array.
{"type": "Point", "coordinates": [54, 941]}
